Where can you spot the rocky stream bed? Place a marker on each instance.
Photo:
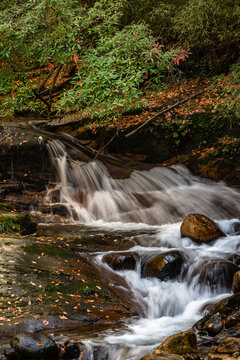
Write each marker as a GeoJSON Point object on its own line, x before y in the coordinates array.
{"type": "Point", "coordinates": [110, 272]}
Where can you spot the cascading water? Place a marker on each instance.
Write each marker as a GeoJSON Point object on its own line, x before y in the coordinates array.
{"type": "Point", "coordinates": [153, 200]}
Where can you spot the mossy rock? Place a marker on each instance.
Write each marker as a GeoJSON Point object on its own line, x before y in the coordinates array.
{"type": "Point", "coordinates": [164, 266]}
{"type": "Point", "coordinates": [162, 356]}
{"type": "Point", "coordinates": [27, 224]}
{"type": "Point", "coordinates": [183, 343]}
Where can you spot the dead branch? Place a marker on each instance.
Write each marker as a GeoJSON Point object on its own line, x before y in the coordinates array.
{"type": "Point", "coordinates": [168, 109]}
{"type": "Point", "coordinates": [53, 84]}
{"type": "Point", "coordinates": [41, 98]}
{"type": "Point", "coordinates": [45, 80]}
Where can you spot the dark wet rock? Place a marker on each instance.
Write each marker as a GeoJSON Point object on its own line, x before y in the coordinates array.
{"type": "Point", "coordinates": [34, 346]}
{"type": "Point", "coordinates": [121, 261]}
{"type": "Point", "coordinates": [229, 345]}
{"type": "Point", "coordinates": [227, 306]}
{"type": "Point", "coordinates": [214, 273]}
{"type": "Point", "coordinates": [100, 353]}
{"type": "Point", "coordinates": [164, 266]}
{"type": "Point", "coordinates": [27, 224]}
{"type": "Point", "coordinates": [236, 282]}
{"type": "Point", "coordinates": [236, 227]}
{"type": "Point", "coordinates": [200, 229]}
{"type": "Point", "coordinates": [72, 350]}
{"type": "Point", "coordinates": [231, 320]}
{"type": "Point", "coordinates": [214, 325]}
{"type": "Point", "coordinates": [10, 354]}
{"type": "Point", "coordinates": [184, 343]}
{"type": "Point", "coordinates": [235, 259]}
{"type": "Point", "coordinates": [55, 209]}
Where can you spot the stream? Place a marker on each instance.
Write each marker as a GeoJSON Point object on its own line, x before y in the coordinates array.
{"type": "Point", "coordinates": [148, 208]}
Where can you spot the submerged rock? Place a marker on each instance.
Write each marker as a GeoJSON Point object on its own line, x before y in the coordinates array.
{"type": "Point", "coordinates": [236, 282]}
{"type": "Point", "coordinates": [184, 343]}
{"type": "Point", "coordinates": [34, 346]}
{"type": "Point", "coordinates": [121, 261]}
{"type": "Point", "coordinates": [214, 273]}
{"type": "Point", "coordinates": [200, 229]}
{"type": "Point", "coordinates": [164, 266]}
{"type": "Point", "coordinates": [72, 350]}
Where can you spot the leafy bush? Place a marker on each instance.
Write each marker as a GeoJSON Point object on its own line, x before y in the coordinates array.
{"type": "Point", "coordinates": [111, 75]}
{"type": "Point", "coordinates": [211, 28]}
{"type": "Point", "coordinates": [8, 224]}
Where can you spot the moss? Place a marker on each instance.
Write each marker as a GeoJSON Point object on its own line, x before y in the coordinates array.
{"type": "Point", "coordinates": [28, 224]}
{"type": "Point", "coordinates": [36, 249]}
{"type": "Point", "coordinates": [79, 287]}
{"type": "Point", "coordinates": [181, 344]}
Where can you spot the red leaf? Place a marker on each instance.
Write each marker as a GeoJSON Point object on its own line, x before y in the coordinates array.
{"type": "Point", "coordinates": [75, 58]}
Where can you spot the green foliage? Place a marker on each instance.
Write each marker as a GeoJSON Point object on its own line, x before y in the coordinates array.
{"type": "Point", "coordinates": [112, 75]}
{"type": "Point", "coordinates": [113, 44]}
{"type": "Point", "coordinates": [8, 224]}
{"type": "Point", "coordinates": [211, 28]}
{"type": "Point", "coordinates": [233, 104]}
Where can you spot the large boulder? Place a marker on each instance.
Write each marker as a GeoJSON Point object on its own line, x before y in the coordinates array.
{"type": "Point", "coordinates": [164, 266]}
{"type": "Point", "coordinates": [34, 346]}
{"type": "Point", "coordinates": [121, 261]}
{"type": "Point", "coordinates": [184, 343]}
{"type": "Point", "coordinates": [236, 282]}
{"type": "Point", "coordinates": [200, 229]}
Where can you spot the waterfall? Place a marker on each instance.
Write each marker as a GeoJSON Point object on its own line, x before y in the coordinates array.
{"type": "Point", "coordinates": [159, 196]}
{"type": "Point", "coordinates": [158, 200]}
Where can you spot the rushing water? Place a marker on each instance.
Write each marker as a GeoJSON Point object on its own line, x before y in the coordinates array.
{"type": "Point", "coordinates": [156, 200]}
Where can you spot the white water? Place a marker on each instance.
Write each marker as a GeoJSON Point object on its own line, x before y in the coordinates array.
{"type": "Point", "coordinates": [153, 200]}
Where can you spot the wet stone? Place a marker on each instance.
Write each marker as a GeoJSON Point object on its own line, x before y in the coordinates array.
{"type": "Point", "coordinates": [163, 356]}
{"type": "Point", "coordinates": [236, 282]}
{"type": "Point", "coordinates": [34, 346]}
{"type": "Point", "coordinates": [215, 273]}
{"type": "Point", "coordinates": [200, 229]}
{"type": "Point", "coordinates": [121, 261]}
{"type": "Point", "coordinates": [229, 345]}
{"type": "Point", "coordinates": [164, 266]}
{"type": "Point", "coordinates": [183, 343]}
{"type": "Point", "coordinates": [72, 350]}
{"type": "Point", "coordinates": [214, 325]}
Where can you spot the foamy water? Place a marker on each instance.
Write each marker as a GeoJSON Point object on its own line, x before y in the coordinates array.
{"type": "Point", "coordinates": [153, 203]}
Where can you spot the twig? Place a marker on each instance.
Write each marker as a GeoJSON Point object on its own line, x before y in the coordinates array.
{"type": "Point", "coordinates": [53, 83]}
{"type": "Point", "coordinates": [41, 98]}
{"type": "Point", "coordinates": [45, 80]}
{"type": "Point", "coordinates": [168, 109]}
{"type": "Point", "coordinates": [106, 145]}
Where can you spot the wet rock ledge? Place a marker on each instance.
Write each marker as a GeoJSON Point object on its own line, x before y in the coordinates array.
{"type": "Point", "coordinates": [215, 337]}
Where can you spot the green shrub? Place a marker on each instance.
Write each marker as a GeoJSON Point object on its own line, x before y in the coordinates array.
{"type": "Point", "coordinates": [112, 75]}
{"type": "Point", "coordinates": [211, 29]}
